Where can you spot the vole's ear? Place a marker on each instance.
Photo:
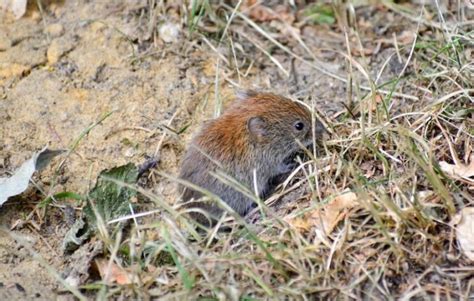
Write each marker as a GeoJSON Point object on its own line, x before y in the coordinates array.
{"type": "Point", "coordinates": [257, 128]}
{"type": "Point", "coordinates": [245, 94]}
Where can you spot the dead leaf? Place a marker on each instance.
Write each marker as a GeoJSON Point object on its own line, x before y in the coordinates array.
{"type": "Point", "coordinates": [368, 168]}
{"type": "Point", "coordinates": [357, 51]}
{"type": "Point", "coordinates": [112, 273]}
{"type": "Point", "coordinates": [458, 170]}
{"type": "Point", "coordinates": [405, 38]}
{"type": "Point", "coordinates": [464, 224]}
{"type": "Point", "coordinates": [374, 104]}
{"type": "Point", "coordinates": [325, 219]}
{"type": "Point", "coordinates": [20, 179]}
{"type": "Point", "coordinates": [302, 224]}
{"type": "Point", "coordinates": [261, 13]}
{"type": "Point", "coordinates": [374, 101]}
{"type": "Point", "coordinates": [80, 261]}
{"type": "Point", "coordinates": [17, 7]}
{"type": "Point", "coordinates": [469, 4]}
{"type": "Point", "coordinates": [334, 212]}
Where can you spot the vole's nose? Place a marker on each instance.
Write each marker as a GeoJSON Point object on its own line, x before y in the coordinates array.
{"type": "Point", "coordinates": [320, 129]}
{"type": "Point", "coordinates": [309, 144]}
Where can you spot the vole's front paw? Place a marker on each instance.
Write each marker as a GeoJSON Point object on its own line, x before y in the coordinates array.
{"type": "Point", "coordinates": [249, 207]}
{"type": "Point", "coordinates": [285, 168]}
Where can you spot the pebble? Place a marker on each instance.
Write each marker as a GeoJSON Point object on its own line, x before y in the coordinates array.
{"type": "Point", "coordinates": [9, 70]}
{"type": "Point", "coordinates": [5, 42]}
{"type": "Point", "coordinates": [55, 30]}
{"type": "Point", "coordinates": [169, 32]}
{"type": "Point", "coordinates": [54, 52]}
{"type": "Point", "coordinates": [57, 49]}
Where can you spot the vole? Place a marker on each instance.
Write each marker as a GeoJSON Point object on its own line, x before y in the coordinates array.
{"type": "Point", "coordinates": [259, 131]}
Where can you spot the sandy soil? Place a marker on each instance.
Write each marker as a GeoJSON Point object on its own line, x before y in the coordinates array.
{"type": "Point", "coordinates": [55, 85]}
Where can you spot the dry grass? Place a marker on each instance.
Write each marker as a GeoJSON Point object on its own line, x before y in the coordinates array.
{"type": "Point", "coordinates": [385, 146]}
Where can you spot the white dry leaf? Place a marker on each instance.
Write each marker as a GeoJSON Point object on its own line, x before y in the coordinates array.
{"type": "Point", "coordinates": [464, 224]}
{"type": "Point", "coordinates": [19, 181]}
{"type": "Point", "coordinates": [469, 4]}
{"type": "Point", "coordinates": [17, 7]}
{"type": "Point", "coordinates": [458, 170]}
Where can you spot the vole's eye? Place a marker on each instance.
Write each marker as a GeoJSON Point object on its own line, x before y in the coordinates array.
{"type": "Point", "coordinates": [299, 126]}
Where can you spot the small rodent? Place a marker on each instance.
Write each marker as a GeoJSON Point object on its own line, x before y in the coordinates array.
{"type": "Point", "coordinates": [259, 131]}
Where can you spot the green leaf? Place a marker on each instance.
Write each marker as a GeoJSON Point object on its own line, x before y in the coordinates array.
{"type": "Point", "coordinates": [320, 14]}
{"type": "Point", "coordinates": [110, 199]}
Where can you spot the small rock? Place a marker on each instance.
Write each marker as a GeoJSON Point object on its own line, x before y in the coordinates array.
{"type": "Point", "coordinates": [54, 52]}
{"type": "Point", "coordinates": [13, 70]}
{"type": "Point", "coordinates": [66, 68]}
{"type": "Point", "coordinates": [73, 280]}
{"type": "Point", "coordinates": [5, 42]}
{"type": "Point", "coordinates": [97, 26]}
{"type": "Point", "coordinates": [64, 116]}
{"type": "Point", "coordinates": [55, 30]}
{"type": "Point", "coordinates": [57, 49]}
{"type": "Point", "coordinates": [130, 152]}
{"type": "Point", "coordinates": [35, 15]}
{"type": "Point", "coordinates": [169, 32]}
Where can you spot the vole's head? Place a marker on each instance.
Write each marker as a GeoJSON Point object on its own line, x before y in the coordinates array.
{"type": "Point", "coordinates": [277, 124]}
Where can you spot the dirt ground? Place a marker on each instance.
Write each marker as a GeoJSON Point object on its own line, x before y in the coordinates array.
{"type": "Point", "coordinates": [63, 69]}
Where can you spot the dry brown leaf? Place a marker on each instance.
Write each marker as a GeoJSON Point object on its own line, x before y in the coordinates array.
{"type": "Point", "coordinates": [464, 224]}
{"type": "Point", "coordinates": [405, 38]}
{"type": "Point", "coordinates": [261, 13]}
{"type": "Point", "coordinates": [368, 168]}
{"type": "Point", "coordinates": [334, 212]}
{"type": "Point", "coordinates": [356, 51]}
{"type": "Point", "coordinates": [301, 223]}
{"type": "Point", "coordinates": [459, 169]}
{"type": "Point", "coordinates": [112, 273]}
{"type": "Point", "coordinates": [325, 219]}
{"type": "Point", "coordinates": [375, 102]}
